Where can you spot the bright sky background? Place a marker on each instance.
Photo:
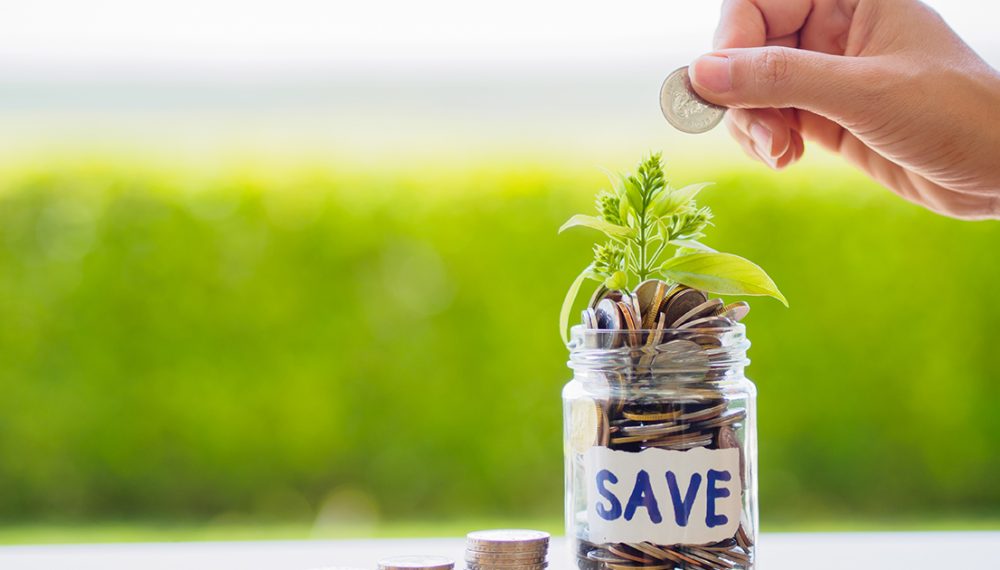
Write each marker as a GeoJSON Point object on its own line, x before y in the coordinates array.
{"type": "Point", "coordinates": [361, 78]}
{"type": "Point", "coordinates": [44, 34]}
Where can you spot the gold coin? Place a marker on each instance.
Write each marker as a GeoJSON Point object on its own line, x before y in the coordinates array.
{"type": "Point", "coordinates": [654, 429]}
{"type": "Point", "coordinates": [651, 310]}
{"type": "Point", "coordinates": [644, 292]}
{"type": "Point", "coordinates": [628, 315]}
{"type": "Point", "coordinates": [584, 424]}
{"type": "Point", "coordinates": [631, 321]}
{"type": "Point", "coordinates": [652, 417]}
{"type": "Point", "coordinates": [657, 335]}
{"type": "Point", "coordinates": [670, 293]}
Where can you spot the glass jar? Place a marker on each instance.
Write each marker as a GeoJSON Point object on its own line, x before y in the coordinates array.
{"type": "Point", "coordinates": [660, 445]}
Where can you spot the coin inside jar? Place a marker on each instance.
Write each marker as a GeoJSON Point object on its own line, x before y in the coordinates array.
{"type": "Point", "coordinates": [586, 419]}
{"type": "Point", "coordinates": [707, 323]}
{"type": "Point", "coordinates": [628, 315]}
{"type": "Point", "coordinates": [609, 317]}
{"type": "Point", "coordinates": [650, 296]}
{"type": "Point", "coordinates": [644, 292]}
{"type": "Point", "coordinates": [702, 310]}
{"type": "Point", "coordinates": [681, 303]}
{"type": "Point", "coordinates": [681, 355]}
{"type": "Point", "coordinates": [735, 311]}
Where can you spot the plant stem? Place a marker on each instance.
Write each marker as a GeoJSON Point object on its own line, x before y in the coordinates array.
{"type": "Point", "coordinates": [643, 270]}
{"type": "Point", "coordinates": [659, 250]}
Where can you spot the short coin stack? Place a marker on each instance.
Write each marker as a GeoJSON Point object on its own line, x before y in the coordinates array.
{"type": "Point", "coordinates": [416, 563]}
{"type": "Point", "coordinates": [506, 550]}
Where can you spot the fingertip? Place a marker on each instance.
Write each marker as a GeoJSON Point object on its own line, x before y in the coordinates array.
{"type": "Point", "coordinates": [768, 128]}
{"type": "Point", "coordinates": [763, 139]}
{"type": "Point", "coordinates": [743, 140]}
{"type": "Point", "coordinates": [798, 145]}
{"type": "Point", "coordinates": [769, 161]}
{"type": "Point", "coordinates": [794, 152]}
{"type": "Point", "coordinates": [710, 75]}
{"type": "Point", "coordinates": [771, 137]}
{"type": "Point", "coordinates": [746, 143]}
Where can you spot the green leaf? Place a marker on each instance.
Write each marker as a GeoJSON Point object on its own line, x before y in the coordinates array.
{"type": "Point", "coordinates": [691, 244]}
{"type": "Point", "coordinates": [571, 295]}
{"type": "Point", "coordinates": [617, 280]}
{"type": "Point", "coordinates": [617, 181]}
{"type": "Point", "coordinates": [633, 190]}
{"type": "Point", "coordinates": [690, 191]}
{"type": "Point", "coordinates": [625, 210]}
{"type": "Point", "coordinates": [662, 228]}
{"type": "Point", "coordinates": [671, 202]}
{"type": "Point", "coordinates": [593, 222]}
{"type": "Point", "coordinates": [721, 273]}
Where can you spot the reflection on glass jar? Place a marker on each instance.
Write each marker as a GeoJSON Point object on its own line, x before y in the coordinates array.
{"type": "Point", "coordinates": [660, 449]}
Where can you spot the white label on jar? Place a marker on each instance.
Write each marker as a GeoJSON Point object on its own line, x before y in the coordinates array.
{"type": "Point", "coordinates": [664, 497]}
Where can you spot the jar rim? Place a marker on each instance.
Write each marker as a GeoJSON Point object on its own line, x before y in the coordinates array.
{"type": "Point", "coordinates": [740, 327]}
{"type": "Point", "coordinates": [719, 347]}
{"type": "Point", "coordinates": [734, 330]}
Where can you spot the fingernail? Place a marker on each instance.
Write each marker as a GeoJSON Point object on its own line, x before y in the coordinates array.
{"type": "Point", "coordinates": [712, 72]}
{"type": "Point", "coordinates": [762, 139]}
{"type": "Point", "coordinates": [765, 157]}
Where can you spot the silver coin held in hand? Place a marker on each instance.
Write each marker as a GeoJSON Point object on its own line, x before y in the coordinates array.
{"type": "Point", "coordinates": [683, 108]}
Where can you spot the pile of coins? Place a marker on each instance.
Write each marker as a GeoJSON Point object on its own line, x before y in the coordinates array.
{"type": "Point", "coordinates": [506, 550]}
{"type": "Point", "coordinates": [653, 308]}
{"type": "Point", "coordinates": [727, 554]}
{"type": "Point", "coordinates": [676, 424]}
{"type": "Point", "coordinates": [661, 350]}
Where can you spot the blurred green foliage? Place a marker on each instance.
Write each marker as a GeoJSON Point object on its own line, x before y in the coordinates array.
{"type": "Point", "coordinates": [334, 345]}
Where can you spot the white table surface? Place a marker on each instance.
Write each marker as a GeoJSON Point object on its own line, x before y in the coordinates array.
{"type": "Point", "coordinates": [836, 551]}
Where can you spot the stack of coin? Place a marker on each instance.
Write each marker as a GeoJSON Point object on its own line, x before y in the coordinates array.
{"type": "Point", "coordinates": [725, 555]}
{"type": "Point", "coordinates": [506, 550]}
{"type": "Point", "coordinates": [418, 562]}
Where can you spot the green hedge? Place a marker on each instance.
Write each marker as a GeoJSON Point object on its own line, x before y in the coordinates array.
{"type": "Point", "coordinates": [320, 341]}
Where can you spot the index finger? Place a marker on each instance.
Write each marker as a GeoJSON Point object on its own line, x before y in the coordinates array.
{"type": "Point", "coordinates": [751, 23]}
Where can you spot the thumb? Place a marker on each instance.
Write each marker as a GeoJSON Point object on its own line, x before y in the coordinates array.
{"type": "Point", "coordinates": [829, 85]}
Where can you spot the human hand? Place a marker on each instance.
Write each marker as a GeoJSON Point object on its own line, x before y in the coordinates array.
{"type": "Point", "coordinates": [885, 83]}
